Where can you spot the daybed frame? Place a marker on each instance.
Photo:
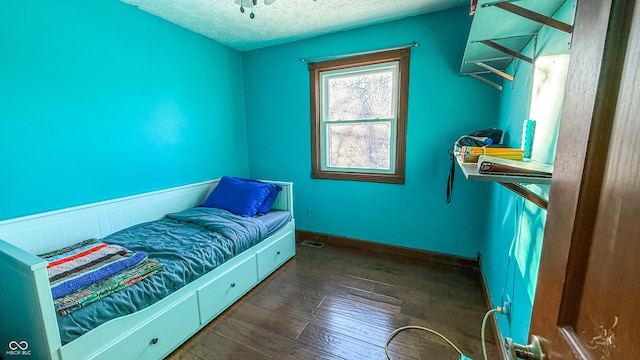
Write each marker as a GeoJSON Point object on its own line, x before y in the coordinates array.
{"type": "Point", "coordinates": [28, 324]}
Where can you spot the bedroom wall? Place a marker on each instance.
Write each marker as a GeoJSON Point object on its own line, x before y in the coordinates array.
{"type": "Point", "coordinates": [442, 106]}
{"type": "Point", "coordinates": [100, 100]}
{"type": "Point", "coordinates": [512, 248]}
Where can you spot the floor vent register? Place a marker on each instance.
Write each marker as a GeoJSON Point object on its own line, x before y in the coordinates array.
{"type": "Point", "coordinates": [310, 243]}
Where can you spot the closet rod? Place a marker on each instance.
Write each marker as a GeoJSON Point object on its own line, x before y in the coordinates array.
{"type": "Point", "coordinates": [494, 70]}
{"type": "Point", "coordinates": [333, 57]}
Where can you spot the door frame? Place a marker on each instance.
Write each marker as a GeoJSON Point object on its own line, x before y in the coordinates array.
{"type": "Point", "coordinates": [600, 37]}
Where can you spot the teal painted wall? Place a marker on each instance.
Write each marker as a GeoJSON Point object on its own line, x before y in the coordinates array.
{"type": "Point", "coordinates": [512, 248]}
{"type": "Point", "coordinates": [442, 106]}
{"type": "Point", "coordinates": [100, 100]}
{"type": "Point", "coordinates": [91, 111]}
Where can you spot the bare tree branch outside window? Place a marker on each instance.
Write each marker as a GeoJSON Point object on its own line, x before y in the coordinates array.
{"type": "Point", "coordinates": [360, 97]}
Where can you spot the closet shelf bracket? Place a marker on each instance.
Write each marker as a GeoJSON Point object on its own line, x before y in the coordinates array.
{"type": "Point", "coordinates": [505, 31]}
{"type": "Point", "coordinates": [477, 76]}
{"type": "Point", "coordinates": [513, 183]}
{"type": "Point", "coordinates": [494, 45]}
{"type": "Point", "coordinates": [531, 15]}
{"type": "Point", "coordinates": [526, 193]}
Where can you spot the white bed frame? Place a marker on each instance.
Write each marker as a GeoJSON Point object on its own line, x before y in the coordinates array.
{"type": "Point", "coordinates": [28, 325]}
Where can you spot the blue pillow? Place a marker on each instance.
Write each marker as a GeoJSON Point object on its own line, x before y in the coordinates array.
{"type": "Point", "coordinates": [270, 199]}
{"type": "Point", "coordinates": [240, 197]}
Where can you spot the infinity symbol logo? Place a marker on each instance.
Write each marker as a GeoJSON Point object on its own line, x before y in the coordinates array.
{"type": "Point", "coordinates": [22, 345]}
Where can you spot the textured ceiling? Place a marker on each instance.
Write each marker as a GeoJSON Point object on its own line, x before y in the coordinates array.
{"type": "Point", "coordinates": [284, 20]}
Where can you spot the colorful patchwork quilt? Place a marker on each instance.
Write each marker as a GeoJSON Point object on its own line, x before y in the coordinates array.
{"type": "Point", "coordinates": [90, 270]}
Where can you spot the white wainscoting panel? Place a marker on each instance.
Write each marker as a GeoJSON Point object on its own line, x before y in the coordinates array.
{"type": "Point", "coordinates": [47, 231]}
{"type": "Point", "coordinates": [55, 229]}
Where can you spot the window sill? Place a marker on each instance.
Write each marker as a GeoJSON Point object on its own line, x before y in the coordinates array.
{"type": "Point", "coordinates": [366, 177]}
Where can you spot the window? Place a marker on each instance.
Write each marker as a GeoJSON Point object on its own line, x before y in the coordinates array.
{"type": "Point", "coordinates": [359, 117]}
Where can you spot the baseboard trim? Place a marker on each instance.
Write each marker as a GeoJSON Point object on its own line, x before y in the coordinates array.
{"type": "Point", "coordinates": [387, 249]}
{"type": "Point", "coordinates": [496, 330]}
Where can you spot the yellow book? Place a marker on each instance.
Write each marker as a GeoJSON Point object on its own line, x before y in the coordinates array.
{"type": "Point", "coordinates": [470, 154]}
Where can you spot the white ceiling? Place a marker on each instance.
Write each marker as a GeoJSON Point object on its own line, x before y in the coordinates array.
{"type": "Point", "coordinates": [284, 20]}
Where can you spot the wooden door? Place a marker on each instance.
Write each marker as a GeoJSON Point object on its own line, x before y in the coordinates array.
{"type": "Point", "coordinates": [587, 303]}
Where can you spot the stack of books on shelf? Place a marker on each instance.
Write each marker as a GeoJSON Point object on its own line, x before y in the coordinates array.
{"type": "Point", "coordinates": [501, 166]}
{"type": "Point", "coordinates": [471, 154]}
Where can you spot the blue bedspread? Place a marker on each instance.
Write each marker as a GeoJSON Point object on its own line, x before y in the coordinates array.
{"type": "Point", "coordinates": [189, 243]}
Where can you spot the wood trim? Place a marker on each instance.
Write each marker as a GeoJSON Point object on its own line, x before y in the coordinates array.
{"type": "Point", "coordinates": [606, 101]}
{"type": "Point", "coordinates": [429, 256]}
{"type": "Point", "coordinates": [569, 166]}
{"type": "Point", "coordinates": [360, 60]}
{"type": "Point", "coordinates": [402, 56]}
{"type": "Point", "coordinates": [598, 51]}
{"type": "Point", "coordinates": [314, 91]}
{"type": "Point", "coordinates": [403, 111]}
{"type": "Point", "coordinates": [356, 176]}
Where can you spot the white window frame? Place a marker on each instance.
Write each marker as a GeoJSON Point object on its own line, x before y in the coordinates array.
{"type": "Point", "coordinates": [325, 77]}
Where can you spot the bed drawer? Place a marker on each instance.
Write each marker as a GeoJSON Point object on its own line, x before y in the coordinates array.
{"type": "Point", "coordinates": [271, 257]}
{"type": "Point", "coordinates": [221, 292]}
{"type": "Point", "coordinates": [158, 337]}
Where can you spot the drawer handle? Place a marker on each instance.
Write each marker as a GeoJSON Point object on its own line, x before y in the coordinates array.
{"type": "Point", "coordinates": [278, 253]}
{"type": "Point", "coordinates": [233, 284]}
{"type": "Point", "coordinates": [154, 341]}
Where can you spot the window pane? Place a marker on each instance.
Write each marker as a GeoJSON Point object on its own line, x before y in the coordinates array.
{"type": "Point", "coordinates": [364, 96]}
{"type": "Point", "coordinates": [361, 145]}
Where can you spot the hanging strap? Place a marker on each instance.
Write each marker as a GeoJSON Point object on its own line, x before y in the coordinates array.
{"type": "Point", "coordinates": [452, 173]}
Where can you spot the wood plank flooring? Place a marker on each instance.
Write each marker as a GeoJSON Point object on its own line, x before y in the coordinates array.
{"type": "Point", "coordinates": [336, 302]}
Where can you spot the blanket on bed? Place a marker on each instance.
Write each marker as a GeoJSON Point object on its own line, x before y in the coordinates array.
{"type": "Point", "coordinates": [106, 287]}
{"type": "Point", "coordinates": [87, 263]}
{"type": "Point", "coordinates": [189, 244]}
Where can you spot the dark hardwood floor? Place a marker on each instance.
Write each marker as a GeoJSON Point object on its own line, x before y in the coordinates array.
{"type": "Point", "coordinates": [339, 303]}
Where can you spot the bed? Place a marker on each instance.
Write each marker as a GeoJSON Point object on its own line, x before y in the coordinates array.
{"type": "Point", "coordinates": [30, 325]}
